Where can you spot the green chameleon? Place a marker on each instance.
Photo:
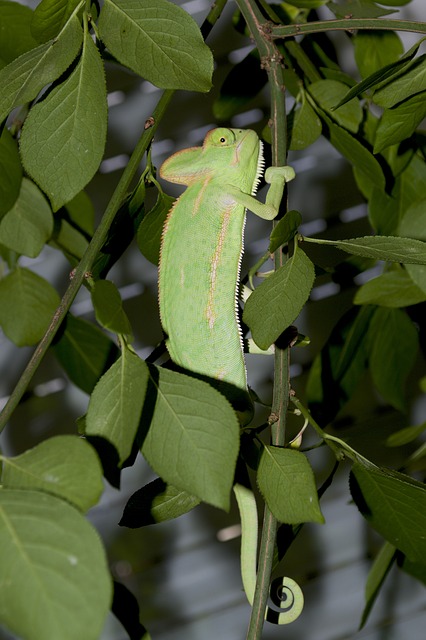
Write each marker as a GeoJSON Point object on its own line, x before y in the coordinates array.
{"type": "Point", "coordinates": [202, 246]}
{"type": "Point", "coordinates": [199, 280]}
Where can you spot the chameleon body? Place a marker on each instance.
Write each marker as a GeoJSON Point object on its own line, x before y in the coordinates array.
{"type": "Point", "coordinates": [200, 257]}
{"type": "Point", "coordinates": [201, 249]}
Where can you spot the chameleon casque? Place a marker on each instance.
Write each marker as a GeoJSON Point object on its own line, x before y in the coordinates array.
{"type": "Point", "coordinates": [202, 246]}
{"type": "Point", "coordinates": [199, 273]}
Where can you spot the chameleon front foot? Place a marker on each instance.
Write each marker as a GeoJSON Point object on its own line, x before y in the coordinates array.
{"type": "Point", "coordinates": [272, 173]}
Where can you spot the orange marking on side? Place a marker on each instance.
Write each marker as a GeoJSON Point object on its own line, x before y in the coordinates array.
{"type": "Point", "coordinates": [220, 374]}
{"type": "Point", "coordinates": [199, 198]}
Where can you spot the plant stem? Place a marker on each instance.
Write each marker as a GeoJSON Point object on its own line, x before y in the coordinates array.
{"type": "Point", "coordinates": [347, 24]}
{"type": "Point", "coordinates": [271, 60]}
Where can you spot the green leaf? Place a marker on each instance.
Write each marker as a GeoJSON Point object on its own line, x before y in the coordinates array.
{"type": "Point", "coordinates": [405, 435]}
{"type": "Point", "coordinates": [354, 344]}
{"type": "Point", "coordinates": [413, 225]}
{"type": "Point", "coordinates": [328, 93]}
{"type": "Point", "coordinates": [398, 123]}
{"type": "Point", "coordinates": [82, 213]}
{"type": "Point", "coordinates": [287, 483]}
{"type": "Point", "coordinates": [386, 212]}
{"type": "Point", "coordinates": [236, 92]}
{"type": "Point", "coordinates": [50, 17]}
{"type": "Point", "coordinates": [338, 76]}
{"type": "Point", "coordinates": [151, 228]}
{"type": "Point", "coordinates": [65, 466]}
{"type": "Point", "coordinates": [10, 172]}
{"type": "Point", "coordinates": [15, 33]}
{"type": "Point", "coordinates": [394, 346]}
{"type": "Point", "coordinates": [389, 248]}
{"type": "Point", "coordinates": [276, 303]}
{"type": "Point", "coordinates": [27, 304]}
{"type": "Point", "coordinates": [24, 78]}
{"type": "Point", "coordinates": [382, 75]}
{"type": "Point", "coordinates": [400, 156]}
{"type": "Point", "coordinates": [391, 289]}
{"type": "Point", "coordinates": [378, 572]}
{"type": "Point", "coordinates": [337, 370]}
{"type": "Point", "coordinates": [409, 186]}
{"type": "Point", "coordinates": [354, 152]}
{"type": "Point", "coordinates": [158, 41]}
{"type": "Point", "coordinates": [109, 308]}
{"type": "Point", "coordinates": [69, 240]}
{"type": "Point", "coordinates": [193, 428]}
{"type": "Point", "coordinates": [358, 9]}
{"type": "Point", "coordinates": [376, 49]}
{"type": "Point", "coordinates": [395, 505]}
{"type": "Point", "coordinates": [292, 84]}
{"type": "Point", "coordinates": [418, 457]}
{"type": "Point", "coordinates": [304, 127]}
{"type": "Point", "coordinates": [54, 559]}
{"type": "Point", "coordinates": [116, 403]}
{"type": "Point", "coordinates": [156, 502]}
{"type": "Point", "coordinates": [84, 352]}
{"type": "Point", "coordinates": [284, 230]}
{"type": "Point", "coordinates": [383, 212]}
{"type": "Point", "coordinates": [63, 138]}
{"type": "Point", "coordinates": [122, 231]}
{"type": "Point", "coordinates": [408, 82]}
{"type": "Point", "coordinates": [28, 225]}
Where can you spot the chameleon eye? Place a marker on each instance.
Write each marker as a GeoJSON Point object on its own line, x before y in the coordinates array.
{"type": "Point", "coordinates": [220, 137]}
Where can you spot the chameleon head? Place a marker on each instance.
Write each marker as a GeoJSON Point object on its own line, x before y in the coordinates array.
{"type": "Point", "coordinates": [237, 149]}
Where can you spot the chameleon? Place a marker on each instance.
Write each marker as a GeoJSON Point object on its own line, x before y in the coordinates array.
{"type": "Point", "coordinates": [202, 247]}
{"type": "Point", "coordinates": [199, 273]}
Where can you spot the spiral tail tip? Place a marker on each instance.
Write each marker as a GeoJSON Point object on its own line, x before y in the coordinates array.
{"type": "Point", "coordinates": [287, 596]}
